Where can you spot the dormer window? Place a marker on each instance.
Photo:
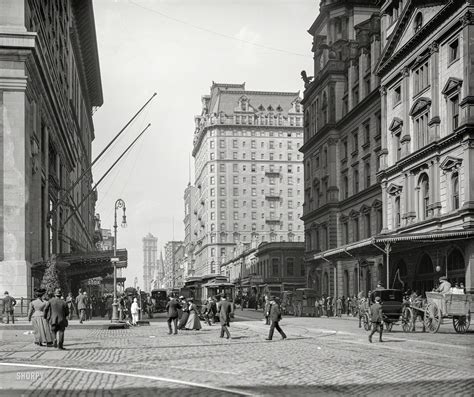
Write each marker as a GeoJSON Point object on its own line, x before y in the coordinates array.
{"type": "Point", "coordinates": [418, 22]}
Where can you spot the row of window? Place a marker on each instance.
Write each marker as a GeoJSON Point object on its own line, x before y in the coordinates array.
{"type": "Point", "coordinates": [261, 133]}
{"type": "Point", "coordinates": [290, 145]}
{"type": "Point", "coordinates": [253, 227]}
{"type": "Point", "coordinates": [424, 199]}
{"type": "Point", "coordinates": [237, 215]}
{"type": "Point", "coordinates": [235, 180]}
{"type": "Point", "coordinates": [253, 192]}
{"type": "Point", "coordinates": [235, 168]}
{"type": "Point", "coordinates": [243, 204]}
{"type": "Point", "coordinates": [253, 156]}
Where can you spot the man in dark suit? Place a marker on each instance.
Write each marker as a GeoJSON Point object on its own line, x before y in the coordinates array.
{"type": "Point", "coordinates": [376, 317]}
{"type": "Point", "coordinates": [9, 307]}
{"type": "Point", "coordinates": [224, 316]}
{"type": "Point", "coordinates": [172, 309]}
{"type": "Point", "coordinates": [275, 317]}
{"type": "Point", "coordinates": [56, 313]}
{"type": "Point", "coordinates": [208, 311]}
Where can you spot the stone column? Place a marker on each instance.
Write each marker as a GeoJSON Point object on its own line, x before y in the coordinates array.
{"type": "Point", "coordinates": [384, 150]}
{"type": "Point", "coordinates": [332, 170]}
{"type": "Point", "coordinates": [405, 139]}
{"type": "Point", "coordinates": [384, 208]}
{"type": "Point", "coordinates": [435, 200]}
{"type": "Point", "coordinates": [435, 119]}
{"type": "Point", "coordinates": [468, 166]}
{"type": "Point", "coordinates": [467, 102]}
{"type": "Point", "coordinates": [411, 197]}
{"type": "Point", "coordinates": [404, 199]}
{"type": "Point", "coordinates": [15, 162]}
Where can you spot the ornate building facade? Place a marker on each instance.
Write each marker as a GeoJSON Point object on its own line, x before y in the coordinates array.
{"type": "Point", "coordinates": [248, 172]}
{"type": "Point", "coordinates": [427, 156]}
{"type": "Point", "coordinates": [342, 140]}
{"type": "Point", "coordinates": [49, 85]}
{"type": "Point", "coordinates": [173, 254]}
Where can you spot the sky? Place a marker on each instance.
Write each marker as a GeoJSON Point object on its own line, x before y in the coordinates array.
{"type": "Point", "coordinates": [176, 48]}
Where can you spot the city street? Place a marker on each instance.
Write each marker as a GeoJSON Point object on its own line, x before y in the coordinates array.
{"type": "Point", "coordinates": [320, 357]}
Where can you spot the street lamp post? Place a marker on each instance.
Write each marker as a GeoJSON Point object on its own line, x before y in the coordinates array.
{"type": "Point", "coordinates": [118, 204]}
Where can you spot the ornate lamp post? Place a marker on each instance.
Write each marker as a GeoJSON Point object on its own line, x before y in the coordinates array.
{"type": "Point", "coordinates": [118, 204]}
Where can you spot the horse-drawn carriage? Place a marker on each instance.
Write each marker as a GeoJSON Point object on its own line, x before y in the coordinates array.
{"type": "Point", "coordinates": [392, 306]}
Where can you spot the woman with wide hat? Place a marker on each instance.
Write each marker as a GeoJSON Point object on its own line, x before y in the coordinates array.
{"type": "Point", "coordinates": [193, 319]}
{"type": "Point", "coordinates": [41, 327]}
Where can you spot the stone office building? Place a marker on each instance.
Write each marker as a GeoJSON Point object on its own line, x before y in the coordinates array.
{"type": "Point", "coordinates": [342, 141]}
{"type": "Point", "coordinates": [49, 85]}
{"type": "Point", "coordinates": [427, 156]}
{"type": "Point", "coordinates": [248, 172]}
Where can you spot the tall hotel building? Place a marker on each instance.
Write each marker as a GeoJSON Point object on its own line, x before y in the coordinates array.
{"type": "Point", "coordinates": [248, 172]}
{"type": "Point", "coordinates": [150, 263]}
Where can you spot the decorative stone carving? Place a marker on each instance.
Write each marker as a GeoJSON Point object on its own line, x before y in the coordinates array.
{"type": "Point", "coordinates": [453, 84]}
{"type": "Point", "coordinates": [450, 164]}
{"type": "Point", "coordinates": [383, 90]}
{"type": "Point", "coordinates": [396, 124]}
{"type": "Point", "coordinates": [467, 19]}
{"type": "Point", "coordinates": [420, 105]}
{"type": "Point", "coordinates": [394, 190]}
{"type": "Point", "coordinates": [434, 47]}
{"type": "Point", "coordinates": [406, 72]}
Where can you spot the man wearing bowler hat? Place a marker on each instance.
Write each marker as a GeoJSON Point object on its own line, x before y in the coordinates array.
{"type": "Point", "coordinates": [275, 317]}
{"type": "Point", "coordinates": [56, 313]}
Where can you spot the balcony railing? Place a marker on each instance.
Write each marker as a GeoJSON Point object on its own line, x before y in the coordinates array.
{"type": "Point", "coordinates": [272, 197]}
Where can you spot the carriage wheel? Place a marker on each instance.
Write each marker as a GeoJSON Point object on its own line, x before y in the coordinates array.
{"type": "Point", "coordinates": [461, 323]}
{"type": "Point", "coordinates": [432, 318]}
{"type": "Point", "coordinates": [408, 320]}
{"type": "Point", "coordinates": [366, 322]}
{"type": "Point", "coordinates": [388, 326]}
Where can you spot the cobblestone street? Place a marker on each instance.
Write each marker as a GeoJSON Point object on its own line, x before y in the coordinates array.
{"type": "Point", "coordinates": [320, 357]}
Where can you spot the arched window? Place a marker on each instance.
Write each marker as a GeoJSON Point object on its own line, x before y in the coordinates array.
{"type": "Point", "coordinates": [424, 192]}
{"type": "Point", "coordinates": [455, 261]}
{"type": "Point", "coordinates": [418, 22]}
{"type": "Point", "coordinates": [455, 190]}
{"type": "Point", "coordinates": [425, 275]}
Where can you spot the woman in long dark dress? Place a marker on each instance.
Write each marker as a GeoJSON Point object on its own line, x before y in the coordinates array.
{"type": "Point", "coordinates": [41, 327]}
{"type": "Point", "coordinates": [184, 318]}
{"type": "Point", "coordinates": [193, 320]}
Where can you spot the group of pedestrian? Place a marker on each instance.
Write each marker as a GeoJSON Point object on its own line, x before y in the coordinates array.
{"type": "Point", "coordinates": [183, 314]}
{"type": "Point", "coordinates": [327, 306]}
{"type": "Point", "coordinates": [49, 318]}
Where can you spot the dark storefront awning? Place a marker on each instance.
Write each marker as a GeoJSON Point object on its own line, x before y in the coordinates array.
{"type": "Point", "coordinates": [379, 245]}
{"type": "Point", "coordinates": [85, 265]}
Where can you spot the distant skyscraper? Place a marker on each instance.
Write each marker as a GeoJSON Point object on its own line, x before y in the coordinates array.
{"type": "Point", "coordinates": [150, 249]}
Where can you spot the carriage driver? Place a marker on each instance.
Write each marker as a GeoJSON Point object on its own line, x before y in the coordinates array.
{"type": "Point", "coordinates": [444, 286]}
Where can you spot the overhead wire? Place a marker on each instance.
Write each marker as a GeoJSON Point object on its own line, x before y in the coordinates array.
{"type": "Point", "coordinates": [227, 36]}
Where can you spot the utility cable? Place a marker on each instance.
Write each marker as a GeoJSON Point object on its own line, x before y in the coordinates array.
{"type": "Point", "coordinates": [227, 36]}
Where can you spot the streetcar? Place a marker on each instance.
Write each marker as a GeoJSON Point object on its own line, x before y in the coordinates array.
{"type": "Point", "coordinates": [159, 297]}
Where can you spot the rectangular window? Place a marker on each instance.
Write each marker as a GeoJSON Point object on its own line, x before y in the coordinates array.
{"type": "Point", "coordinates": [235, 167]}
{"type": "Point", "coordinates": [212, 144]}
{"type": "Point", "coordinates": [222, 144]}
{"type": "Point", "coordinates": [453, 51]}
{"type": "Point", "coordinates": [222, 167]}
{"type": "Point", "coordinates": [421, 78]}
{"type": "Point", "coordinates": [344, 149]}
{"type": "Point", "coordinates": [235, 144]}
{"type": "Point", "coordinates": [455, 112]}
{"type": "Point", "coordinates": [355, 142]}
{"type": "Point", "coordinates": [368, 228]}
{"type": "Point", "coordinates": [397, 95]}
{"type": "Point", "coordinates": [356, 181]}
{"type": "Point", "coordinates": [355, 230]}
{"type": "Point", "coordinates": [236, 203]}
{"type": "Point", "coordinates": [254, 191]}
{"type": "Point", "coordinates": [222, 191]}
{"type": "Point", "coordinates": [222, 179]}
{"type": "Point", "coordinates": [236, 216]}
{"type": "Point", "coordinates": [275, 266]}
{"type": "Point", "coordinates": [421, 130]}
